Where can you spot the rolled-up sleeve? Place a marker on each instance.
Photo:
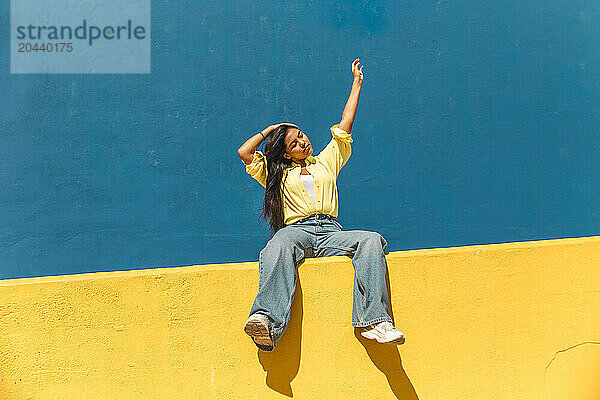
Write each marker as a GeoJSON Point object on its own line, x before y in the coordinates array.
{"type": "Point", "coordinates": [338, 151]}
{"type": "Point", "coordinates": [258, 168]}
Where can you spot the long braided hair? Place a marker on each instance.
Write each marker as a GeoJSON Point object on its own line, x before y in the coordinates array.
{"type": "Point", "coordinates": [276, 165]}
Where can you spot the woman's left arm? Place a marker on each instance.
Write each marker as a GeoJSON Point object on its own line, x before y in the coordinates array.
{"type": "Point", "coordinates": [352, 103]}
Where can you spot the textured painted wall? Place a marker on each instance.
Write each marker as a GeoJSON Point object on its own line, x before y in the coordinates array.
{"type": "Point", "coordinates": [511, 321]}
{"type": "Point", "coordinates": [478, 123]}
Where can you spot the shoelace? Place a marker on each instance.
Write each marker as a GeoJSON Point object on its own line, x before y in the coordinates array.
{"type": "Point", "coordinates": [386, 326]}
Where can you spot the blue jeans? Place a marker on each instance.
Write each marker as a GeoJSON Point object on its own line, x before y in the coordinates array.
{"type": "Point", "coordinates": [319, 236]}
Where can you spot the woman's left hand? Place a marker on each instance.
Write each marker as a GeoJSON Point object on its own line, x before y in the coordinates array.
{"type": "Point", "coordinates": [356, 71]}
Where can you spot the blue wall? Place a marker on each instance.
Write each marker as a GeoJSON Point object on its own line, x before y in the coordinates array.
{"type": "Point", "coordinates": [478, 123]}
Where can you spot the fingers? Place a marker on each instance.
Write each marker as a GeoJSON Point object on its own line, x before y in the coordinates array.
{"type": "Point", "coordinates": [356, 71]}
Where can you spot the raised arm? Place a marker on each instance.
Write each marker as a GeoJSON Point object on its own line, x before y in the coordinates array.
{"type": "Point", "coordinates": [352, 103]}
{"type": "Point", "coordinates": [246, 151]}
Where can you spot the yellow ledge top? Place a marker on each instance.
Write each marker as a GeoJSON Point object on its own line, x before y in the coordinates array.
{"type": "Point", "coordinates": [252, 264]}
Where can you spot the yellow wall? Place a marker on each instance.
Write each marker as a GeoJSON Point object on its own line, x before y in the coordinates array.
{"type": "Point", "coordinates": [509, 321]}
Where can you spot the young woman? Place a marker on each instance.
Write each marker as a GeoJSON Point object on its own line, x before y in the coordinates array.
{"type": "Point", "coordinates": [301, 204]}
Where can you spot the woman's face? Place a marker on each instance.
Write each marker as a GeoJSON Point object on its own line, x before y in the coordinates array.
{"type": "Point", "coordinates": [297, 145]}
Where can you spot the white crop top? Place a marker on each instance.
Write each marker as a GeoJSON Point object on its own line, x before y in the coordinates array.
{"type": "Point", "coordinates": [309, 184]}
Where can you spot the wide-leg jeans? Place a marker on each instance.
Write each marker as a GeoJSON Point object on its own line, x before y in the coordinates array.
{"type": "Point", "coordinates": [319, 236]}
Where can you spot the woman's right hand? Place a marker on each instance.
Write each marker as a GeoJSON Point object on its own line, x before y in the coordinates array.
{"type": "Point", "coordinates": [246, 151]}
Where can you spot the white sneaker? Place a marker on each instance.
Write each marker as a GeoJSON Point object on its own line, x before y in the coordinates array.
{"type": "Point", "coordinates": [257, 327]}
{"type": "Point", "coordinates": [383, 332]}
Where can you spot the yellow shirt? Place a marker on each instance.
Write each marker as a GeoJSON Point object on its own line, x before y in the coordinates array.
{"type": "Point", "coordinates": [324, 168]}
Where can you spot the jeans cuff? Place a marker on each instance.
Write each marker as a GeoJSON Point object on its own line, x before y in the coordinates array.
{"type": "Point", "coordinates": [276, 334]}
{"type": "Point", "coordinates": [371, 322]}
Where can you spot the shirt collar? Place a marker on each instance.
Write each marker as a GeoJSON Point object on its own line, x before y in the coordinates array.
{"type": "Point", "coordinates": [309, 160]}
